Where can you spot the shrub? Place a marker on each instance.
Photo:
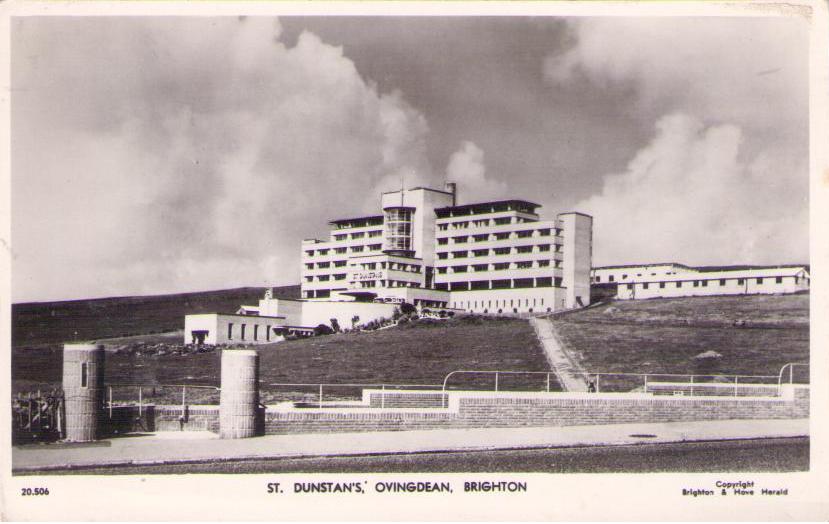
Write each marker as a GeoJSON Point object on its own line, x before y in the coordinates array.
{"type": "Point", "coordinates": [322, 329]}
{"type": "Point", "coordinates": [407, 309]}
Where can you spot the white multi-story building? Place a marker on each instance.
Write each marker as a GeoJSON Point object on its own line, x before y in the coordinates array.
{"type": "Point", "coordinates": [676, 280]}
{"type": "Point", "coordinates": [428, 251]}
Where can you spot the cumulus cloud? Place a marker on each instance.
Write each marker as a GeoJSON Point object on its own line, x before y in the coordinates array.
{"type": "Point", "coordinates": [690, 196]}
{"type": "Point", "coordinates": [189, 153]}
{"type": "Point", "coordinates": [725, 177]}
{"type": "Point", "coordinates": [467, 169]}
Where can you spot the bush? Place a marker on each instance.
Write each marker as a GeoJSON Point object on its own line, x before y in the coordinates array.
{"type": "Point", "coordinates": [407, 309]}
{"type": "Point", "coordinates": [322, 329]}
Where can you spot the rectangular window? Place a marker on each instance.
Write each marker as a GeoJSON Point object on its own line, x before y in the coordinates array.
{"type": "Point", "coordinates": [543, 263]}
{"type": "Point", "coordinates": [458, 269]}
{"type": "Point", "coordinates": [704, 283]}
{"type": "Point", "coordinates": [459, 254]}
{"type": "Point", "coordinates": [243, 331]}
{"type": "Point", "coordinates": [357, 235]}
{"type": "Point", "coordinates": [84, 374]}
{"type": "Point", "coordinates": [230, 330]}
{"type": "Point", "coordinates": [323, 251]}
{"type": "Point", "coordinates": [544, 232]}
{"type": "Point", "coordinates": [481, 238]}
{"type": "Point", "coordinates": [340, 237]}
{"type": "Point", "coordinates": [442, 256]}
{"type": "Point", "coordinates": [546, 247]}
{"type": "Point", "coordinates": [443, 241]}
{"type": "Point", "coordinates": [661, 285]}
{"type": "Point", "coordinates": [740, 281]}
{"type": "Point", "coordinates": [645, 285]}
{"type": "Point", "coordinates": [679, 284]}
{"type": "Point", "coordinates": [323, 278]}
{"type": "Point", "coordinates": [323, 264]}
{"type": "Point", "coordinates": [630, 286]}
{"type": "Point", "coordinates": [501, 236]}
{"type": "Point", "coordinates": [268, 333]}
{"type": "Point", "coordinates": [525, 234]}
{"type": "Point", "coordinates": [523, 265]}
{"type": "Point", "coordinates": [256, 332]}
{"type": "Point", "coordinates": [598, 279]}
{"type": "Point", "coordinates": [502, 221]}
{"type": "Point", "coordinates": [357, 249]}
{"type": "Point", "coordinates": [481, 252]}
{"type": "Point", "coordinates": [760, 280]}
{"type": "Point", "coordinates": [461, 240]}
{"type": "Point", "coordinates": [524, 249]}
{"type": "Point", "coordinates": [722, 282]}
{"type": "Point", "coordinates": [480, 267]}
{"type": "Point", "coordinates": [441, 271]}
{"type": "Point", "coordinates": [340, 250]}
{"type": "Point", "coordinates": [376, 233]}
{"type": "Point", "coordinates": [340, 276]}
{"type": "Point", "coordinates": [501, 250]}
{"type": "Point", "coordinates": [339, 263]}
{"type": "Point", "coordinates": [375, 247]}
{"type": "Point", "coordinates": [778, 280]}
{"type": "Point", "coordinates": [501, 266]}
{"type": "Point", "coordinates": [612, 278]}
{"type": "Point", "coordinates": [310, 252]}
{"type": "Point", "coordinates": [696, 283]}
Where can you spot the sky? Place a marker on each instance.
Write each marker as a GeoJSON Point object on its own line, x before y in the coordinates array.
{"type": "Point", "coordinates": [166, 154]}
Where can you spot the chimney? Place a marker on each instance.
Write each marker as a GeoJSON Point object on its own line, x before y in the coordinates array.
{"type": "Point", "coordinates": [451, 187]}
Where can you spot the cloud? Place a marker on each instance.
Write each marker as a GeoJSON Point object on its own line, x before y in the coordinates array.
{"type": "Point", "coordinates": [189, 153]}
{"type": "Point", "coordinates": [690, 196]}
{"type": "Point", "coordinates": [466, 168]}
{"type": "Point", "coordinates": [725, 177]}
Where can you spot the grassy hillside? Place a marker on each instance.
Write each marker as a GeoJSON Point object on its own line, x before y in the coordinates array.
{"type": "Point", "coordinates": [664, 335]}
{"type": "Point", "coordinates": [423, 354]}
{"type": "Point", "coordinates": [39, 323]}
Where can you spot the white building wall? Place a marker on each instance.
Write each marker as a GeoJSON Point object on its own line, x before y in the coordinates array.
{"type": "Point", "coordinates": [311, 313]}
{"type": "Point", "coordinates": [577, 233]}
{"type": "Point", "coordinates": [720, 283]}
{"type": "Point", "coordinates": [257, 329]}
{"type": "Point", "coordinates": [495, 301]}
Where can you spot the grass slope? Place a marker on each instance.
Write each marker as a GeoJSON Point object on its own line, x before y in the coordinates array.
{"type": "Point", "coordinates": [403, 355]}
{"type": "Point", "coordinates": [664, 335]}
{"type": "Point", "coordinates": [38, 323]}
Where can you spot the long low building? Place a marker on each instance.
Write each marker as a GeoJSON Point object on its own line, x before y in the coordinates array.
{"type": "Point", "coordinates": [671, 280]}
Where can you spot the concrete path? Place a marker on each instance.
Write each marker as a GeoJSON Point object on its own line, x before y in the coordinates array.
{"type": "Point", "coordinates": [182, 447]}
{"type": "Point", "coordinates": [570, 374]}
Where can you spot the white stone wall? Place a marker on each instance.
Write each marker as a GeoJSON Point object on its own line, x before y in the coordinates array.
{"type": "Point", "coordinates": [256, 329]}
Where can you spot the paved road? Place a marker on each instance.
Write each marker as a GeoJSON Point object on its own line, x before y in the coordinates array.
{"type": "Point", "coordinates": [783, 454]}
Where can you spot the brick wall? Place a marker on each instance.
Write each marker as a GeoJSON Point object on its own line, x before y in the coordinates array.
{"type": "Point", "coordinates": [476, 410]}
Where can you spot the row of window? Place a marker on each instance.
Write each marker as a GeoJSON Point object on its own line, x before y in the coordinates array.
{"type": "Point", "coordinates": [338, 237]}
{"type": "Point", "coordinates": [512, 283]}
{"type": "Point", "coordinates": [499, 305]}
{"type": "Point", "coordinates": [243, 332]}
{"type": "Point", "coordinates": [394, 266]}
{"type": "Point", "coordinates": [504, 235]}
{"type": "Point", "coordinates": [612, 278]}
{"type": "Point", "coordinates": [344, 250]}
{"type": "Point", "coordinates": [500, 266]}
{"type": "Point", "coordinates": [704, 283]}
{"type": "Point", "coordinates": [542, 248]}
{"type": "Point", "coordinates": [483, 222]}
{"type": "Point", "coordinates": [388, 283]}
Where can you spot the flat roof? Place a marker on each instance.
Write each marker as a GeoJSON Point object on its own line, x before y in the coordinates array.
{"type": "Point", "coordinates": [357, 219]}
{"type": "Point", "coordinates": [653, 264]}
{"type": "Point", "coordinates": [487, 206]}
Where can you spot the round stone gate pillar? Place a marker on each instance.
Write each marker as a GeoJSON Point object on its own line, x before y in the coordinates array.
{"type": "Point", "coordinates": [83, 390]}
{"type": "Point", "coordinates": [239, 399]}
